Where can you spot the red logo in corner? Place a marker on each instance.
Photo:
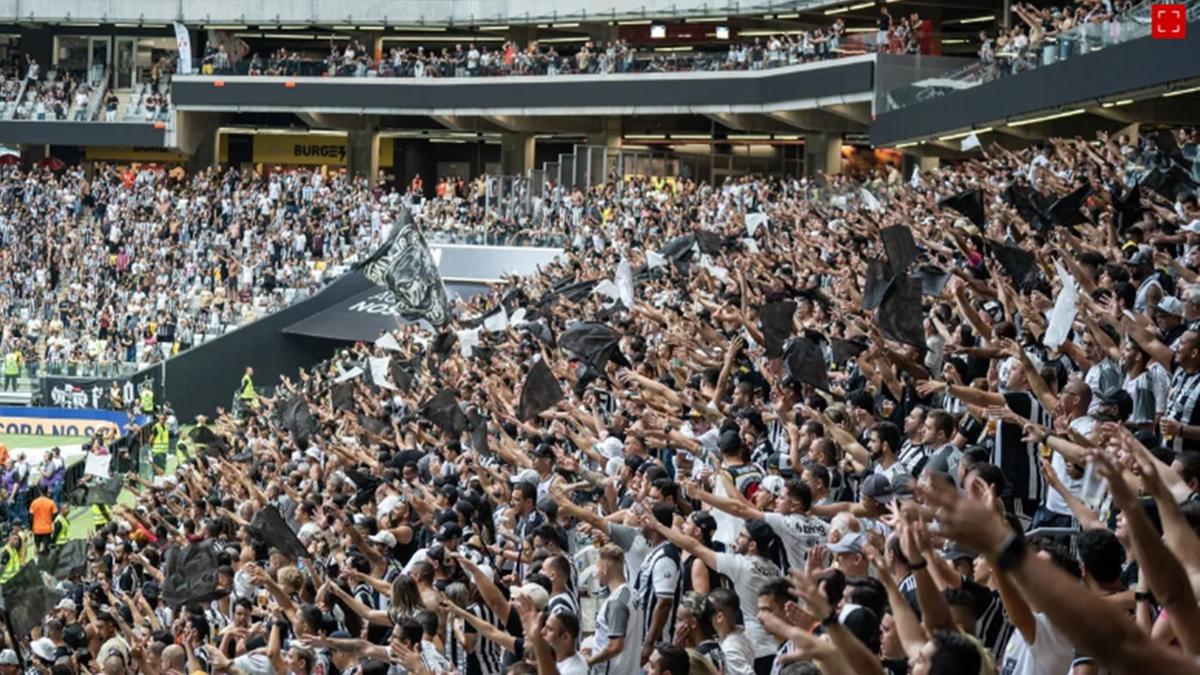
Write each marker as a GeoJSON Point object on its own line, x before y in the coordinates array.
{"type": "Point", "coordinates": [1168, 22]}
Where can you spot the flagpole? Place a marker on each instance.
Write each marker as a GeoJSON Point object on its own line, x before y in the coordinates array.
{"type": "Point", "coordinates": [12, 637]}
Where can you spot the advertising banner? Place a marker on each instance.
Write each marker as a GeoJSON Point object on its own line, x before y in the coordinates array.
{"type": "Point", "coordinates": [60, 421]}
{"type": "Point", "coordinates": [82, 393]}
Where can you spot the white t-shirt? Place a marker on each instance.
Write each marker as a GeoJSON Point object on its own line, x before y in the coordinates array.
{"type": "Point", "coordinates": [738, 654]}
{"type": "Point", "coordinates": [799, 534]}
{"type": "Point", "coordinates": [749, 574]}
{"type": "Point", "coordinates": [618, 618]}
{"type": "Point", "coordinates": [1050, 654]}
{"type": "Point", "coordinates": [573, 665]}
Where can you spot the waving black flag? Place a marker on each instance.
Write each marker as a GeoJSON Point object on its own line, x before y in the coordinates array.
{"type": "Point", "coordinates": [27, 600]}
{"type": "Point", "coordinates": [710, 243]}
{"type": "Point", "coordinates": [404, 265]}
{"type": "Point", "coordinates": [295, 416]}
{"type": "Point", "coordinates": [775, 322]}
{"type": "Point", "coordinates": [269, 525]}
{"type": "Point", "coordinates": [1169, 183]}
{"type": "Point", "coordinates": [1017, 263]}
{"type": "Point", "coordinates": [372, 425]}
{"type": "Point", "coordinates": [443, 410]}
{"type": "Point", "coordinates": [343, 396]}
{"type": "Point", "coordinates": [574, 291]}
{"type": "Point", "coordinates": [844, 350]}
{"type": "Point", "coordinates": [402, 371]}
{"type": "Point", "coordinates": [803, 361]}
{"type": "Point", "coordinates": [900, 246]}
{"type": "Point", "coordinates": [899, 316]}
{"type": "Point", "coordinates": [63, 562]}
{"type": "Point", "coordinates": [540, 391]}
{"type": "Point", "coordinates": [105, 492]}
{"type": "Point", "coordinates": [1128, 207]}
{"type": "Point", "coordinates": [1066, 210]}
{"type": "Point", "coordinates": [190, 575]}
{"type": "Point", "coordinates": [968, 203]}
{"type": "Point", "coordinates": [478, 424]}
{"type": "Point", "coordinates": [594, 343]}
{"type": "Point", "coordinates": [1030, 204]}
{"type": "Point", "coordinates": [933, 279]}
{"type": "Point", "coordinates": [876, 284]}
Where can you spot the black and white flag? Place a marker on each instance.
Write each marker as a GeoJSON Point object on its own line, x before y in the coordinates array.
{"type": "Point", "coordinates": [405, 266]}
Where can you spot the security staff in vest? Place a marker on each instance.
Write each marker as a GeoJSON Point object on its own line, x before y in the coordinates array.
{"type": "Point", "coordinates": [13, 361]}
{"type": "Point", "coordinates": [247, 395]}
{"type": "Point", "coordinates": [10, 557]}
{"type": "Point", "coordinates": [161, 443]}
{"type": "Point", "coordinates": [62, 524]}
{"type": "Point", "coordinates": [100, 516]}
{"type": "Point", "coordinates": [146, 399]}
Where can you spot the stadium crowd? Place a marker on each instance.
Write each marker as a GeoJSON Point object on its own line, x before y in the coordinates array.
{"type": "Point", "coordinates": [131, 267]}
{"type": "Point", "coordinates": [591, 57]}
{"type": "Point", "coordinates": [993, 469]}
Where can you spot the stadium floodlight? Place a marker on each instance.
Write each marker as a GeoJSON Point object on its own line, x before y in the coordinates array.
{"type": "Point", "coordinates": [861, 5]}
{"type": "Point", "coordinates": [1181, 92]}
{"type": "Point", "coordinates": [976, 19]}
{"type": "Point", "coordinates": [635, 22]}
{"type": "Point", "coordinates": [1047, 118]}
{"type": "Point", "coordinates": [955, 137]}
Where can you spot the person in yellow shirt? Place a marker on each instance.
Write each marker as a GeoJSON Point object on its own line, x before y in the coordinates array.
{"type": "Point", "coordinates": [13, 361]}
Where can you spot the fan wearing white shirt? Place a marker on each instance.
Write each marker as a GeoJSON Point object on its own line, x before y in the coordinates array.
{"type": "Point", "coordinates": [750, 568]}
{"type": "Point", "coordinates": [561, 632]}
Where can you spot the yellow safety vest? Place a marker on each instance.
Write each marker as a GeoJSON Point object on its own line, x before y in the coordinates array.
{"type": "Point", "coordinates": [12, 566]}
{"type": "Point", "coordinates": [247, 388]}
{"type": "Point", "coordinates": [147, 401]}
{"type": "Point", "coordinates": [12, 363]}
{"type": "Point", "coordinates": [99, 515]}
{"type": "Point", "coordinates": [64, 530]}
{"type": "Point", "coordinates": [162, 439]}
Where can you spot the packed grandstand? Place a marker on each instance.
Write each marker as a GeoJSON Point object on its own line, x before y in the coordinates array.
{"type": "Point", "coordinates": [777, 455]}
{"type": "Point", "coordinates": [864, 339]}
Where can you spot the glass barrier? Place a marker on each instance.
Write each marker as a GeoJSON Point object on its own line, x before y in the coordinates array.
{"type": "Point", "coordinates": [1012, 60]}
{"type": "Point", "coordinates": [443, 65]}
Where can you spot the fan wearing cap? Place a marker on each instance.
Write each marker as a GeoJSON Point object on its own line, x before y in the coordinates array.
{"type": "Point", "coordinates": [875, 493]}
{"type": "Point", "coordinates": [1141, 270]}
{"type": "Point", "coordinates": [749, 568]}
{"type": "Point", "coordinates": [1168, 316]}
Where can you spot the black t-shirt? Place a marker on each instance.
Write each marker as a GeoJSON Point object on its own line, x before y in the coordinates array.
{"type": "Point", "coordinates": [1018, 459]}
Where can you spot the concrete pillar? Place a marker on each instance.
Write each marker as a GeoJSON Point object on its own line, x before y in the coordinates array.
{"type": "Point", "coordinates": [362, 153]}
{"type": "Point", "coordinates": [516, 153]}
{"type": "Point", "coordinates": [822, 154]}
{"type": "Point", "coordinates": [609, 135]}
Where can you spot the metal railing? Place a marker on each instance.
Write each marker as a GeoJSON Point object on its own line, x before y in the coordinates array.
{"type": "Point", "coordinates": [1080, 40]}
{"type": "Point", "coordinates": [437, 64]}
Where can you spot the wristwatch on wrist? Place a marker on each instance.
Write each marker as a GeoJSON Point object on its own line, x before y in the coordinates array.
{"type": "Point", "coordinates": [1011, 552]}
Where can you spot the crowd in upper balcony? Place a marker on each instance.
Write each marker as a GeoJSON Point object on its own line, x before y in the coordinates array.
{"type": "Point", "coordinates": [591, 56]}
{"type": "Point", "coordinates": [1049, 34]}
